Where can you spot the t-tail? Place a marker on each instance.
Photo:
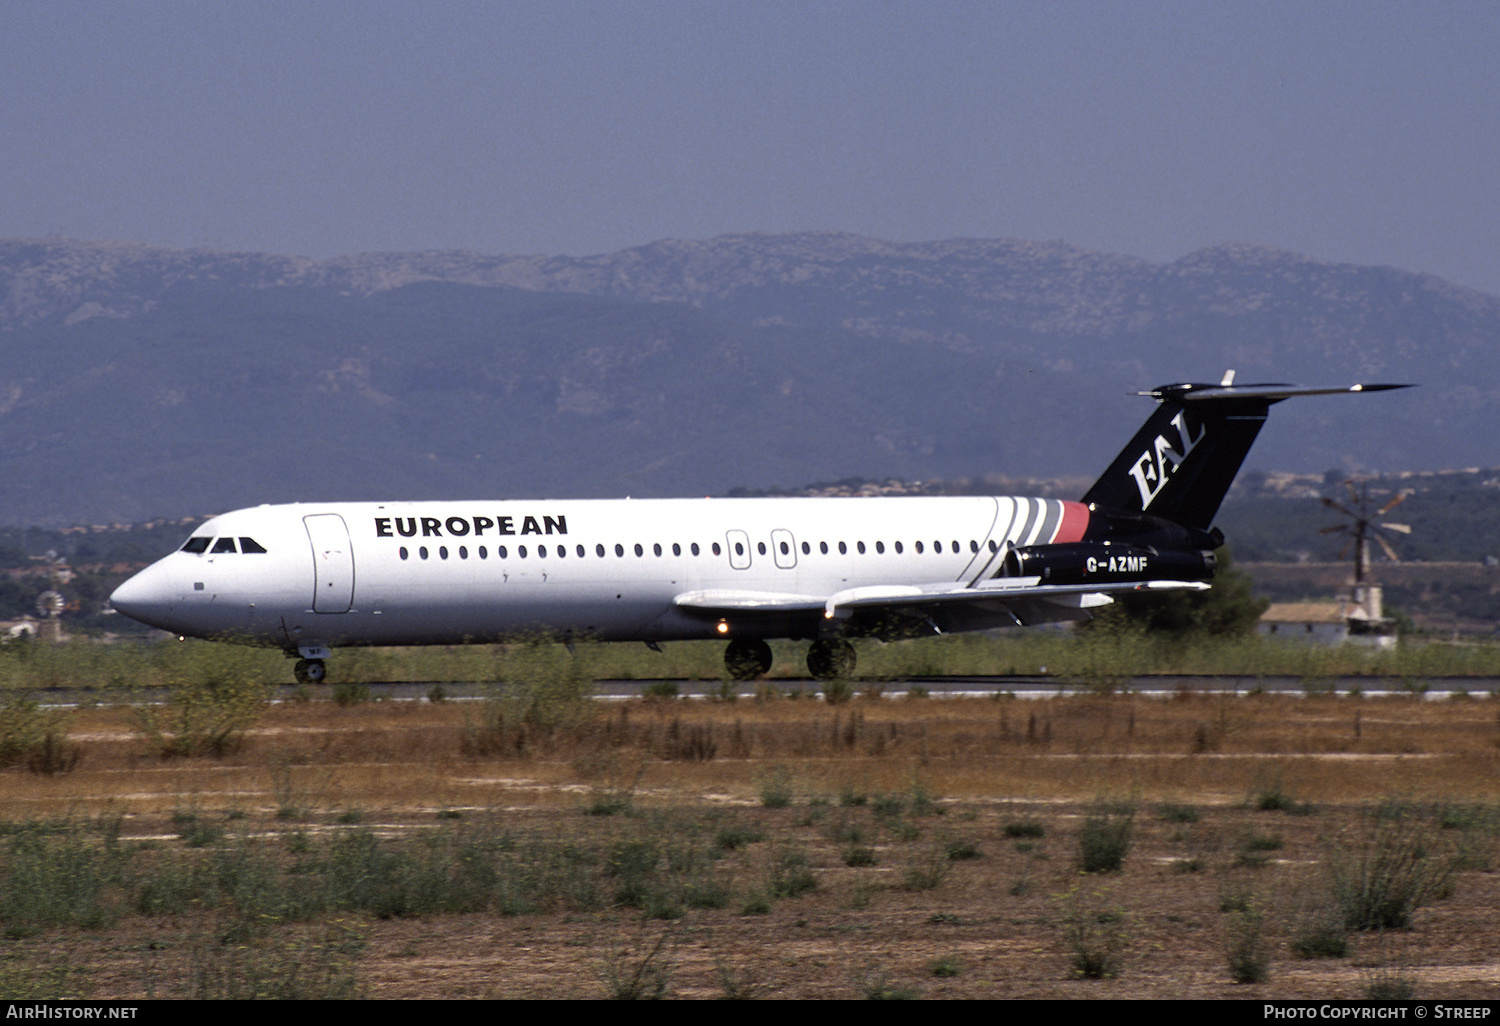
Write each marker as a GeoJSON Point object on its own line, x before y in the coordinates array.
{"type": "Point", "coordinates": [1181, 463]}
{"type": "Point", "coordinates": [1151, 513]}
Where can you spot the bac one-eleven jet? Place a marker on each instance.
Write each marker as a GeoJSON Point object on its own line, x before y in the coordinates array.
{"type": "Point", "coordinates": [309, 578]}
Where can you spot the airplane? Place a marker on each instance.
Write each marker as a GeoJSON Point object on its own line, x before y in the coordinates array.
{"type": "Point", "coordinates": [311, 577]}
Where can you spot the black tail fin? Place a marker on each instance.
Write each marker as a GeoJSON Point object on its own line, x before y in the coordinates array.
{"type": "Point", "coordinates": [1180, 464]}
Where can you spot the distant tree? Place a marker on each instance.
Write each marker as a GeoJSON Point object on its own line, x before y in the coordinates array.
{"type": "Point", "coordinates": [1228, 609]}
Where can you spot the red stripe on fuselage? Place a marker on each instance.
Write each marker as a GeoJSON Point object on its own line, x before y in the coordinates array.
{"type": "Point", "coordinates": [1075, 520]}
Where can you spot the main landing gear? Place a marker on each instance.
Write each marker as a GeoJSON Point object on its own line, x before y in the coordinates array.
{"type": "Point", "coordinates": [310, 671]}
{"type": "Point", "coordinates": [829, 659]}
{"type": "Point", "coordinates": [746, 658]}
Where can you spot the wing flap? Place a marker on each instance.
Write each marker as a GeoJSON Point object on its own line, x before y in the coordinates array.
{"type": "Point", "coordinates": [736, 600]}
{"type": "Point", "coordinates": [1000, 590]}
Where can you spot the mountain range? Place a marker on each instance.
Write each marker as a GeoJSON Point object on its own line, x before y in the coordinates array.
{"type": "Point", "coordinates": [140, 382]}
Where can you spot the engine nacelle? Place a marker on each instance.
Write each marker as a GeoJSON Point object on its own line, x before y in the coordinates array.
{"type": "Point", "coordinates": [1107, 563]}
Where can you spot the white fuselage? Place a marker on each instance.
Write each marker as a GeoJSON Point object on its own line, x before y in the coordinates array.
{"type": "Point", "coordinates": [341, 574]}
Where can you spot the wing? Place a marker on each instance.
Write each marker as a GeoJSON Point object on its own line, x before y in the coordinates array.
{"type": "Point", "coordinates": [1019, 601]}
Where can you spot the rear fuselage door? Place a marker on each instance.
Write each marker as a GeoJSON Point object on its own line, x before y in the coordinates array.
{"type": "Point", "coordinates": [333, 563]}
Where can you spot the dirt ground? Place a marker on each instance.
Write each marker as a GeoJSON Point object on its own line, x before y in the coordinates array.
{"type": "Point", "coordinates": [970, 889]}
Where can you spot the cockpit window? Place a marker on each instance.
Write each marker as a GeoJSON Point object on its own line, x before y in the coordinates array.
{"type": "Point", "coordinates": [250, 545]}
{"type": "Point", "coordinates": [196, 545]}
{"type": "Point", "coordinates": [224, 545]}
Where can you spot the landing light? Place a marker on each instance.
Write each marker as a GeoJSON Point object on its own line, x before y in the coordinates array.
{"type": "Point", "coordinates": [723, 627]}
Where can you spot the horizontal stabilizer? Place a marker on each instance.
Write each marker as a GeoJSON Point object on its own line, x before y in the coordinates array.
{"type": "Point", "coordinates": [1269, 393]}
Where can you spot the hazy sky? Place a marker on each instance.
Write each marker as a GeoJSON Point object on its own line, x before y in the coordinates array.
{"type": "Point", "coordinates": [1365, 132]}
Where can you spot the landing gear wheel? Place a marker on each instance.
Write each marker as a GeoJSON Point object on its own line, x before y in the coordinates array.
{"type": "Point", "coordinates": [310, 671]}
{"type": "Point", "coordinates": [746, 659]}
{"type": "Point", "coordinates": [831, 659]}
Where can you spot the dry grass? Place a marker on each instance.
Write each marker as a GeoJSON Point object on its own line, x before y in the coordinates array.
{"type": "Point", "coordinates": [906, 780]}
{"type": "Point", "coordinates": [1194, 747]}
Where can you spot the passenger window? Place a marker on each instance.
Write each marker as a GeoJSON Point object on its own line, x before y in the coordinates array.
{"type": "Point", "coordinates": [442, 552]}
{"type": "Point", "coordinates": [919, 548]}
{"type": "Point", "coordinates": [739, 548]}
{"type": "Point", "coordinates": [761, 546]}
{"type": "Point", "coordinates": [599, 551]}
{"type": "Point", "coordinates": [717, 550]}
{"type": "Point", "coordinates": [483, 553]}
{"type": "Point", "coordinates": [676, 549]}
{"type": "Point", "coordinates": [823, 548]}
{"type": "Point", "coordinates": [404, 553]}
{"type": "Point", "coordinates": [500, 551]}
{"type": "Point", "coordinates": [898, 548]}
{"type": "Point", "coordinates": [693, 548]}
{"type": "Point", "coordinates": [806, 549]}
{"type": "Point", "coordinates": [224, 545]}
{"type": "Point", "coordinates": [422, 552]}
{"type": "Point", "coordinates": [581, 551]}
{"type": "Point", "coordinates": [785, 548]}
{"type": "Point", "coordinates": [843, 549]}
{"type": "Point", "coordinates": [638, 550]}
{"type": "Point", "coordinates": [463, 552]}
{"type": "Point", "coordinates": [993, 546]}
{"type": "Point", "coordinates": [880, 548]}
{"type": "Point", "coordinates": [250, 545]}
{"type": "Point", "coordinates": [196, 546]}
{"type": "Point", "coordinates": [955, 547]}
{"type": "Point", "coordinates": [619, 550]}
{"type": "Point", "coordinates": [861, 547]}
{"type": "Point", "coordinates": [973, 545]}
{"type": "Point", "coordinates": [521, 551]}
{"type": "Point", "coordinates": [656, 548]}
{"type": "Point", "coordinates": [541, 552]}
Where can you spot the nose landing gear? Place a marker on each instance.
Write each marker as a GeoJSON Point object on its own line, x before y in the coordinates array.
{"type": "Point", "coordinates": [310, 671]}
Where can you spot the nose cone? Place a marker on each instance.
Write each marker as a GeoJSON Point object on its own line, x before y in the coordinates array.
{"type": "Point", "coordinates": [147, 597]}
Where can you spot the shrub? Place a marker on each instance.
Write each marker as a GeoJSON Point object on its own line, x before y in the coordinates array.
{"type": "Point", "coordinates": [776, 790]}
{"type": "Point", "coordinates": [1025, 828]}
{"type": "Point", "coordinates": [790, 874]}
{"type": "Point", "coordinates": [202, 717]}
{"type": "Point", "coordinates": [1245, 949]}
{"type": "Point", "coordinates": [736, 836]}
{"type": "Point", "coordinates": [1321, 938]}
{"type": "Point", "coordinates": [639, 974]}
{"type": "Point", "coordinates": [1389, 985]}
{"type": "Point", "coordinates": [1380, 879]}
{"type": "Point", "coordinates": [967, 848]}
{"type": "Point", "coordinates": [36, 737]}
{"type": "Point", "coordinates": [926, 869]}
{"type": "Point", "coordinates": [878, 987]}
{"type": "Point", "coordinates": [947, 967]}
{"type": "Point", "coordinates": [1177, 814]}
{"type": "Point", "coordinates": [1096, 939]}
{"type": "Point", "coordinates": [1104, 839]}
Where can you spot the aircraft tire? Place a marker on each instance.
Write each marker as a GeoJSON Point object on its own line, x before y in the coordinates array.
{"type": "Point", "coordinates": [746, 659]}
{"type": "Point", "coordinates": [310, 671]}
{"type": "Point", "coordinates": [831, 659]}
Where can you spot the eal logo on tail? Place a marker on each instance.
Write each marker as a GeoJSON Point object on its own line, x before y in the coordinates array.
{"type": "Point", "coordinates": [1157, 464]}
